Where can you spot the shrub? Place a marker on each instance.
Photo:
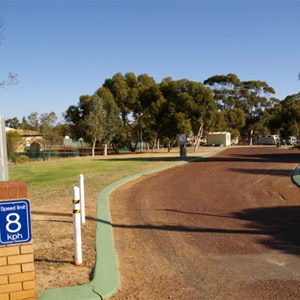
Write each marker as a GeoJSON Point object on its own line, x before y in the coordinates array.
{"type": "Point", "coordinates": [297, 146]}
{"type": "Point", "coordinates": [13, 140]}
{"type": "Point", "coordinates": [22, 159]}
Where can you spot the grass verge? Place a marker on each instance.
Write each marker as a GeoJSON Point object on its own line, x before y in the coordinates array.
{"type": "Point", "coordinates": [63, 173]}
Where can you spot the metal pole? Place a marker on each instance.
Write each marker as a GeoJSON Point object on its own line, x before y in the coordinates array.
{"type": "Point", "coordinates": [82, 199]}
{"type": "Point", "coordinates": [3, 152]}
{"type": "Point", "coordinates": [77, 226]}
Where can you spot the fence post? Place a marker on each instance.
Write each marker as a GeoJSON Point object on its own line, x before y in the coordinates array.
{"type": "Point", "coordinates": [3, 151]}
{"type": "Point", "coordinates": [82, 198]}
{"type": "Point", "coordinates": [77, 226]}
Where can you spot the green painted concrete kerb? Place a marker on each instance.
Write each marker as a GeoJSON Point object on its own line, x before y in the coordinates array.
{"type": "Point", "coordinates": [106, 278]}
{"type": "Point", "coordinates": [296, 176]}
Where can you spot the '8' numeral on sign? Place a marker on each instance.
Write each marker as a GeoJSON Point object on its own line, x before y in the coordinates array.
{"type": "Point", "coordinates": [13, 225]}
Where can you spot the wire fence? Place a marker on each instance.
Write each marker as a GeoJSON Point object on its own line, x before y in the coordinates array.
{"type": "Point", "coordinates": [63, 151]}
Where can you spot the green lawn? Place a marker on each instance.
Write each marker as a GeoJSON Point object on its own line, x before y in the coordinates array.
{"type": "Point", "coordinates": [61, 174]}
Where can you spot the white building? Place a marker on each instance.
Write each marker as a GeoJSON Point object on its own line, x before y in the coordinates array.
{"type": "Point", "coordinates": [219, 138]}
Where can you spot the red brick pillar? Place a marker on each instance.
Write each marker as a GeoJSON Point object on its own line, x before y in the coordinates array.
{"type": "Point", "coordinates": [16, 261]}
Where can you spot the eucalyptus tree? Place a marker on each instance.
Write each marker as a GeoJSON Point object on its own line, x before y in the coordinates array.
{"type": "Point", "coordinates": [13, 123]}
{"type": "Point", "coordinates": [230, 116]}
{"type": "Point", "coordinates": [225, 90]}
{"type": "Point", "coordinates": [256, 96]}
{"type": "Point", "coordinates": [253, 97]}
{"type": "Point", "coordinates": [232, 120]}
{"type": "Point", "coordinates": [95, 122]}
{"type": "Point", "coordinates": [73, 117]}
{"type": "Point", "coordinates": [33, 121]}
{"type": "Point", "coordinates": [285, 116]}
{"type": "Point", "coordinates": [134, 96]}
{"type": "Point", "coordinates": [202, 110]}
{"type": "Point", "coordinates": [48, 120]}
{"type": "Point", "coordinates": [291, 114]}
{"type": "Point", "coordinates": [191, 104]}
{"type": "Point", "coordinates": [46, 124]}
{"type": "Point", "coordinates": [112, 126]}
{"type": "Point", "coordinates": [47, 127]}
{"type": "Point", "coordinates": [124, 91]}
{"type": "Point", "coordinates": [95, 118]}
{"type": "Point", "coordinates": [170, 123]}
{"type": "Point", "coordinates": [236, 118]}
{"type": "Point", "coordinates": [24, 124]}
{"type": "Point", "coordinates": [149, 96]}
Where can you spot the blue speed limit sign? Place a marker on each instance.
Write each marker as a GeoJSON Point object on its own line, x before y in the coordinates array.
{"type": "Point", "coordinates": [15, 225]}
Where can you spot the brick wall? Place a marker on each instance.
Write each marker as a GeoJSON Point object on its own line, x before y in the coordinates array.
{"type": "Point", "coordinates": [16, 261]}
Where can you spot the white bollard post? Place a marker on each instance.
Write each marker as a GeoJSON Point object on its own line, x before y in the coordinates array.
{"type": "Point", "coordinates": [82, 200]}
{"type": "Point", "coordinates": [77, 226]}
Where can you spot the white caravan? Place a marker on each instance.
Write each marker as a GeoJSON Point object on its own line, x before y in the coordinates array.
{"type": "Point", "coordinates": [267, 139]}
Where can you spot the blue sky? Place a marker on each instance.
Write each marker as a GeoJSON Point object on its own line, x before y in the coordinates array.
{"type": "Point", "coordinates": [62, 49]}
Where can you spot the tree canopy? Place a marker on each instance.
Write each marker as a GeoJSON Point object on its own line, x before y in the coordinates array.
{"type": "Point", "coordinates": [127, 110]}
{"type": "Point", "coordinates": [285, 116]}
{"type": "Point", "coordinates": [95, 118]}
{"type": "Point", "coordinates": [252, 97]}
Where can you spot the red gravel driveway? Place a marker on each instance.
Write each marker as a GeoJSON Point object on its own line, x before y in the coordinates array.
{"type": "Point", "coordinates": [226, 227]}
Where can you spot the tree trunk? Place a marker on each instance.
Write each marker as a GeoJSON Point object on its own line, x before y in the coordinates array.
{"type": "Point", "coordinates": [169, 147]}
{"type": "Point", "coordinates": [105, 150]}
{"type": "Point", "coordinates": [156, 143]}
{"type": "Point", "coordinates": [198, 137]}
{"type": "Point", "coordinates": [93, 148]}
{"type": "Point", "coordinates": [250, 137]}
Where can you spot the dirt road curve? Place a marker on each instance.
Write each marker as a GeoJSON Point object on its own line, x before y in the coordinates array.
{"type": "Point", "coordinates": [227, 227]}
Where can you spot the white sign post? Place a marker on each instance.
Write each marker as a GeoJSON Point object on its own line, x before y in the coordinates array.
{"type": "Point", "coordinates": [3, 152]}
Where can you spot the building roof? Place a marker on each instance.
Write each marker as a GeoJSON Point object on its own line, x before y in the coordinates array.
{"type": "Point", "coordinates": [24, 132]}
